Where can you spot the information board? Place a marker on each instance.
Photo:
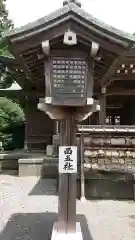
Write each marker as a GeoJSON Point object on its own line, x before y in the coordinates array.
{"type": "Point", "coordinates": [69, 78]}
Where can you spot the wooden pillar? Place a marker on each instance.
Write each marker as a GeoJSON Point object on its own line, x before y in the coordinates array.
{"type": "Point", "coordinates": [67, 182]}
{"type": "Point", "coordinates": [82, 167]}
{"type": "Point", "coordinates": [128, 113]}
{"type": "Point", "coordinates": [56, 130]}
{"type": "Point", "coordinates": [131, 108]}
{"type": "Point", "coordinates": [94, 119]}
{"type": "Point", "coordinates": [134, 186]}
{"type": "Point", "coordinates": [29, 106]}
{"type": "Point", "coordinates": [102, 112]}
{"type": "Point", "coordinates": [113, 120]}
{"type": "Point", "coordinates": [26, 124]}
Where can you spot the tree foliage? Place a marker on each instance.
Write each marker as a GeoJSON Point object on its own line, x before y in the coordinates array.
{"type": "Point", "coordinates": [5, 24]}
{"type": "Point", "coordinates": [11, 114]}
{"type": "Point", "coordinates": [11, 118]}
{"type": "Point", "coordinates": [6, 79]}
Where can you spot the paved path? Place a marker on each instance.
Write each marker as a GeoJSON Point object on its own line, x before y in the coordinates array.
{"type": "Point", "coordinates": [28, 208]}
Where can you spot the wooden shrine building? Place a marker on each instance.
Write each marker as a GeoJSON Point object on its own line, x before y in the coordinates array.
{"type": "Point", "coordinates": [113, 69]}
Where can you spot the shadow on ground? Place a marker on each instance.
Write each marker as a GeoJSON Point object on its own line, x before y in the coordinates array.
{"type": "Point", "coordinates": [111, 188]}
{"type": "Point", "coordinates": [9, 172]}
{"type": "Point", "coordinates": [45, 187]}
{"type": "Point", "coordinates": [35, 226]}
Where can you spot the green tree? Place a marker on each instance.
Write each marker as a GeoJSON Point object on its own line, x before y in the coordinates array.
{"type": "Point", "coordinates": [11, 114]}
{"type": "Point", "coordinates": [11, 117]}
{"type": "Point", "coordinates": [5, 24]}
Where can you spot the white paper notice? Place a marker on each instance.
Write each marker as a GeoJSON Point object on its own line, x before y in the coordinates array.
{"type": "Point", "coordinates": [67, 159]}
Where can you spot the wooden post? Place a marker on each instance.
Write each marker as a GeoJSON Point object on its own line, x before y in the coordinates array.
{"type": "Point", "coordinates": [134, 186]}
{"type": "Point", "coordinates": [57, 127]}
{"type": "Point", "coordinates": [26, 124]}
{"type": "Point", "coordinates": [63, 185]}
{"type": "Point", "coordinates": [82, 168]}
{"type": "Point", "coordinates": [102, 112]}
{"type": "Point", "coordinates": [67, 182]}
{"type": "Point", "coordinates": [72, 181]}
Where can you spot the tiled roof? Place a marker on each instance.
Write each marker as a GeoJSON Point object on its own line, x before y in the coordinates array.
{"type": "Point", "coordinates": [66, 10]}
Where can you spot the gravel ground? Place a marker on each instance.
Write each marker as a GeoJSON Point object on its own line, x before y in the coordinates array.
{"type": "Point", "coordinates": [28, 208]}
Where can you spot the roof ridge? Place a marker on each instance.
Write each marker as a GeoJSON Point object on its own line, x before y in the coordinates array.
{"type": "Point", "coordinates": [64, 10]}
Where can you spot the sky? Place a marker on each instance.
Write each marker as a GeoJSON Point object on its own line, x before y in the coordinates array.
{"type": "Point", "coordinates": [118, 13]}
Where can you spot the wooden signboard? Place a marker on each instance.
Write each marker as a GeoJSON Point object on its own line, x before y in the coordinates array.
{"type": "Point", "coordinates": [69, 76]}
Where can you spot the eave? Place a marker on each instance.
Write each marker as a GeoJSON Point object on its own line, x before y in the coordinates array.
{"type": "Point", "coordinates": [48, 20]}
{"type": "Point", "coordinates": [25, 42]}
{"type": "Point", "coordinates": [16, 71]}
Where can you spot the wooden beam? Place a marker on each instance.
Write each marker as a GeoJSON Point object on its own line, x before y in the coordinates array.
{"type": "Point", "coordinates": [22, 63]}
{"type": "Point", "coordinates": [101, 64]}
{"type": "Point", "coordinates": [125, 77]}
{"type": "Point", "coordinates": [108, 76]}
{"type": "Point", "coordinates": [92, 37]}
{"type": "Point", "coordinates": [32, 39]}
{"type": "Point", "coordinates": [46, 47]}
{"type": "Point", "coordinates": [90, 78]}
{"type": "Point", "coordinates": [94, 49]}
{"type": "Point", "coordinates": [35, 40]}
{"type": "Point", "coordinates": [31, 51]}
{"type": "Point", "coordinates": [121, 92]}
{"type": "Point", "coordinates": [35, 66]}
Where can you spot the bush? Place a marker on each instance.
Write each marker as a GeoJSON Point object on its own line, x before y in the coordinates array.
{"type": "Point", "coordinates": [11, 118]}
{"type": "Point", "coordinates": [11, 115]}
